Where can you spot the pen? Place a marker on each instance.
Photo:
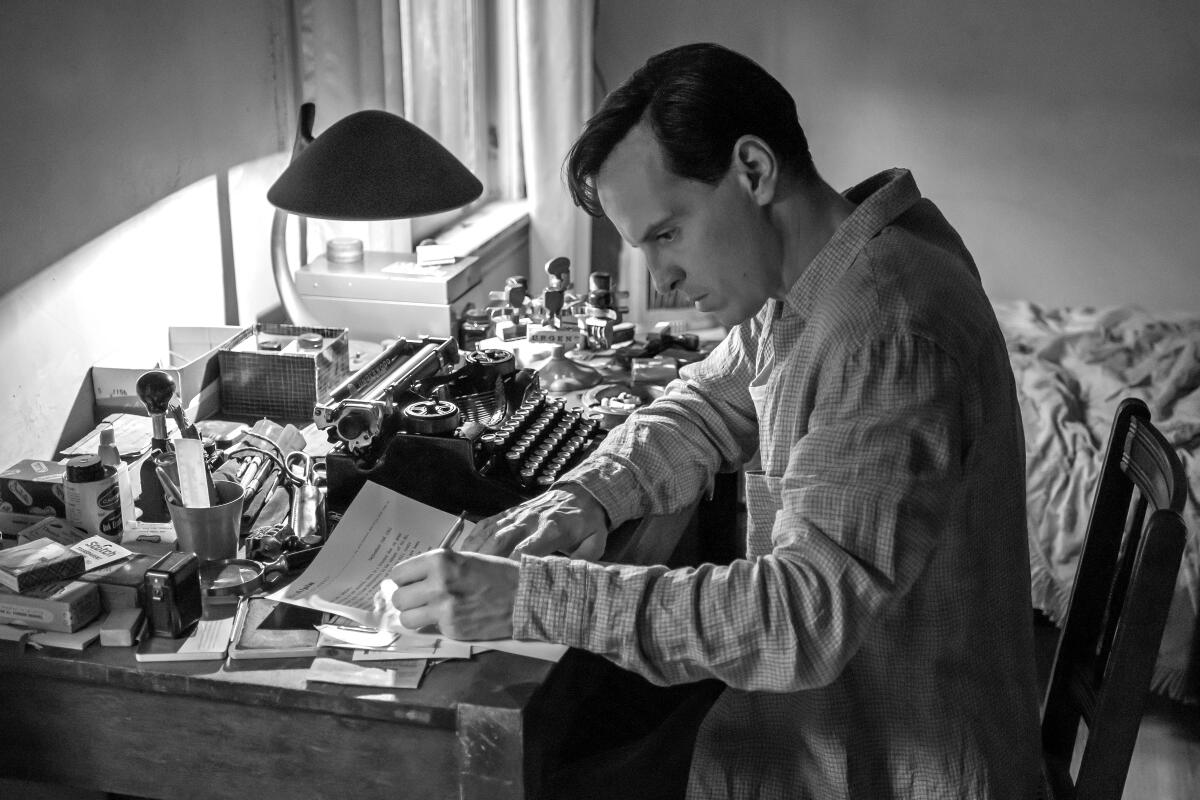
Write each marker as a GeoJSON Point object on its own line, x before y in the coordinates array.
{"type": "Point", "coordinates": [169, 485]}
{"type": "Point", "coordinates": [452, 535]}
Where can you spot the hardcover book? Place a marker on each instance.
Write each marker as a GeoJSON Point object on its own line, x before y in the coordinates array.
{"type": "Point", "coordinates": [39, 561]}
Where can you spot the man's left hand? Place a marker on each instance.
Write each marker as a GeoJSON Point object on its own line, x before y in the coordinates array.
{"type": "Point", "coordinates": [467, 595]}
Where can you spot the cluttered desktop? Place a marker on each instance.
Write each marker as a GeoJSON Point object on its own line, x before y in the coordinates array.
{"type": "Point", "coordinates": [226, 565]}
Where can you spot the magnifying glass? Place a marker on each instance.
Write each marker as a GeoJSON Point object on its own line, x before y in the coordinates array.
{"type": "Point", "coordinates": [231, 577]}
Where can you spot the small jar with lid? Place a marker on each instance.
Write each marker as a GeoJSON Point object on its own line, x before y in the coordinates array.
{"type": "Point", "coordinates": [93, 497]}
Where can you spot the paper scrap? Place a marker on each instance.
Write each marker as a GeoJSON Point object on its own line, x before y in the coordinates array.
{"type": "Point", "coordinates": [441, 649]}
{"type": "Point", "coordinates": [406, 675]}
{"type": "Point", "coordinates": [344, 636]}
{"type": "Point", "coordinates": [98, 551]}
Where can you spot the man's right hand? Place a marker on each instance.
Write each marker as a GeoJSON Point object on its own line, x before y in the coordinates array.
{"type": "Point", "coordinates": [565, 520]}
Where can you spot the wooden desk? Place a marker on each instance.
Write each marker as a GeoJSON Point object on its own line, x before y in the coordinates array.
{"type": "Point", "coordinates": [482, 728]}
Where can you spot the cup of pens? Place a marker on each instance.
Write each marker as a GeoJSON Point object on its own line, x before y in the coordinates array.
{"type": "Point", "coordinates": [211, 532]}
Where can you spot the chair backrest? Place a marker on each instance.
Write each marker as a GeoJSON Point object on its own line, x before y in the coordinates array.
{"type": "Point", "coordinates": [1123, 589]}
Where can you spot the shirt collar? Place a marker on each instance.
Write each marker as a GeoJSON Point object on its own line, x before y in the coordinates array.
{"type": "Point", "coordinates": [880, 199]}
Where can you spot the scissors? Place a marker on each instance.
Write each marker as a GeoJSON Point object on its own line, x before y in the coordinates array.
{"type": "Point", "coordinates": [308, 501]}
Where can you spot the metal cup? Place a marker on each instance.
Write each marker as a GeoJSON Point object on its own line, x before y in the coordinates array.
{"type": "Point", "coordinates": [211, 533]}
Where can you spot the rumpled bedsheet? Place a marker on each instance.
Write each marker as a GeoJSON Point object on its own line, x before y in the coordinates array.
{"type": "Point", "coordinates": [1073, 366]}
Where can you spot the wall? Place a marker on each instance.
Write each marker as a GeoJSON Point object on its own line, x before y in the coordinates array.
{"type": "Point", "coordinates": [117, 119]}
{"type": "Point", "coordinates": [1063, 139]}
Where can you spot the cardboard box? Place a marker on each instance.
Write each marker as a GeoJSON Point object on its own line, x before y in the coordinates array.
{"type": "Point", "coordinates": [266, 371]}
{"type": "Point", "coordinates": [64, 607]}
{"type": "Point", "coordinates": [33, 487]}
{"type": "Point", "coordinates": [188, 356]}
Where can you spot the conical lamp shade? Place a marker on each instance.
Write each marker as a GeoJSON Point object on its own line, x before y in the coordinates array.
{"type": "Point", "coordinates": [373, 165]}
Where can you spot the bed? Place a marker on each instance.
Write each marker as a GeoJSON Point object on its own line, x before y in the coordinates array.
{"type": "Point", "coordinates": [1072, 367]}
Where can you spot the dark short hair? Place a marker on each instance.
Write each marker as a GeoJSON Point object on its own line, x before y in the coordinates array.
{"type": "Point", "coordinates": [699, 99]}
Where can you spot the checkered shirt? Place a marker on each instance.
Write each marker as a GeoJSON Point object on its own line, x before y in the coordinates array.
{"type": "Point", "coordinates": [876, 641]}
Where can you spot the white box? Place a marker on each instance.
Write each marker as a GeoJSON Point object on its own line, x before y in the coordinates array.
{"type": "Point", "coordinates": [388, 295]}
{"type": "Point", "coordinates": [189, 357]}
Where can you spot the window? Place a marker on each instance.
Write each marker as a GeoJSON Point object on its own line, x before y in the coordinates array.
{"type": "Point", "coordinates": [448, 66]}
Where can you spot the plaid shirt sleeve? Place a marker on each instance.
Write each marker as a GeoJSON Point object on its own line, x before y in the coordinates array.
{"type": "Point", "coordinates": [874, 445]}
{"type": "Point", "coordinates": [666, 453]}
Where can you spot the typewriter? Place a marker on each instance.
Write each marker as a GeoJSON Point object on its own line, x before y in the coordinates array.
{"type": "Point", "coordinates": [456, 430]}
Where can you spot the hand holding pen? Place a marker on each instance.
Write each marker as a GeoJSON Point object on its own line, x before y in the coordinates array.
{"type": "Point", "coordinates": [467, 595]}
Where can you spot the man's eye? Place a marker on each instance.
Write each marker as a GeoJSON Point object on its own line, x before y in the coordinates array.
{"type": "Point", "coordinates": [666, 236]}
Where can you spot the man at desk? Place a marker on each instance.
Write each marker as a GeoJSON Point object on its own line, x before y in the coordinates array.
{"type": "Point", "coordinates": [876, 640]}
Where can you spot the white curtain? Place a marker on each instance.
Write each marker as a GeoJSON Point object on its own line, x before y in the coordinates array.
{"type": "Point", "coordinates": [554, 58]}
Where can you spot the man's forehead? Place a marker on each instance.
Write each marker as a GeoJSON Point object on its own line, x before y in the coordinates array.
{"type": "Point", "coordinates": [633, 181]}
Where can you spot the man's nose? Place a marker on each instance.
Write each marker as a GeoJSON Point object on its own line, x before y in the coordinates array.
{"type": "Point", "coordinates": [666, 278]}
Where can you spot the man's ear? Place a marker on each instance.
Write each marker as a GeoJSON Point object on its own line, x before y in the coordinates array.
{"type": "Point", "coordinates": [756, 167]}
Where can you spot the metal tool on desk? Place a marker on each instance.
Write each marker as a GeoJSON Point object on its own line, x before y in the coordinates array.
{"type": "Point", "coordinates": [157, 391]}
{"type": "Point", "coordinates": [307, 516]}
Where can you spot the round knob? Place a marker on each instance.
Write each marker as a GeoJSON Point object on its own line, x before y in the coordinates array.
{"type": "Point", "coordinates": [432, 417]}
{"type": "Point", "coordinates": [558, 268]}
{"type": "Point", "coordinates": [156, 389]}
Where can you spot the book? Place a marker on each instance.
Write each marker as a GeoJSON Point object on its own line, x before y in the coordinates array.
{"type": "Point", "coordinates": [65, 606]}
{"type": "Point", "coordinates": [39, 561]}
{"type": "Point", "coordinates": [269, 629]}
{"type": "Point", "coordinates": [208, 641]}
{"type": "Point", "coordinates": [79, 640]}
{"type": "Point", "coordinates": [122, 627]}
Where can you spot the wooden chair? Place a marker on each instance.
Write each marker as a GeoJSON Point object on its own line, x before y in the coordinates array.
{"type": "Point", "coordinates": [1123, 588]}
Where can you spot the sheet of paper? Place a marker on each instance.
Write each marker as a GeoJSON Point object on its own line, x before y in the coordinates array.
{"type": "Point", "coordinates": [380, 529]}
{"type": "Point", "coordinates": [406, 675]}
{"type": "Point", "coordinates": [540, 650]}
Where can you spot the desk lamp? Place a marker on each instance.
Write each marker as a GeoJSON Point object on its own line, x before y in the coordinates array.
{"type": "Point", "coordinates": [370, 165]}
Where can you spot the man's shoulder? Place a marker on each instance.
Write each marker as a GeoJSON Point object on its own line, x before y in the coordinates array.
{"type": "Point", "coordinates": [909, 280]}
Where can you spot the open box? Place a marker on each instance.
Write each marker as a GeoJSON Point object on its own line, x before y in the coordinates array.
{"type": "Point", "coordinates": [189, 357]}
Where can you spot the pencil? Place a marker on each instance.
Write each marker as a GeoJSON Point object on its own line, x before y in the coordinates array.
{"type": "Point", "coordinates": [451, 537]}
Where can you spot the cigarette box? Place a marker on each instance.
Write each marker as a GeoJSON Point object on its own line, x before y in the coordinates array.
{"type": "Point", "coordinates": [35, 487]}
{"type": "Point", "coordinates": [41, 561]}
{"type": "Point", "coordinates": [64, 607]}
{"type": "Point", "coordinates": [120, 584]}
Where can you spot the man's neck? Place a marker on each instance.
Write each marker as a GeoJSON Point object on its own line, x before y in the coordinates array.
{"type": "Point", "coordinates": [807, 216]}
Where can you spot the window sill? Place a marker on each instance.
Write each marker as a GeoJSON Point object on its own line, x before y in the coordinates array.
{"type": "Point", "coordinates": [490, 222]}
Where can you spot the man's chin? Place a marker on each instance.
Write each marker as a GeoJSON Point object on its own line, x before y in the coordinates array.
{"type": "Point", "coordinates": [729, 317]}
